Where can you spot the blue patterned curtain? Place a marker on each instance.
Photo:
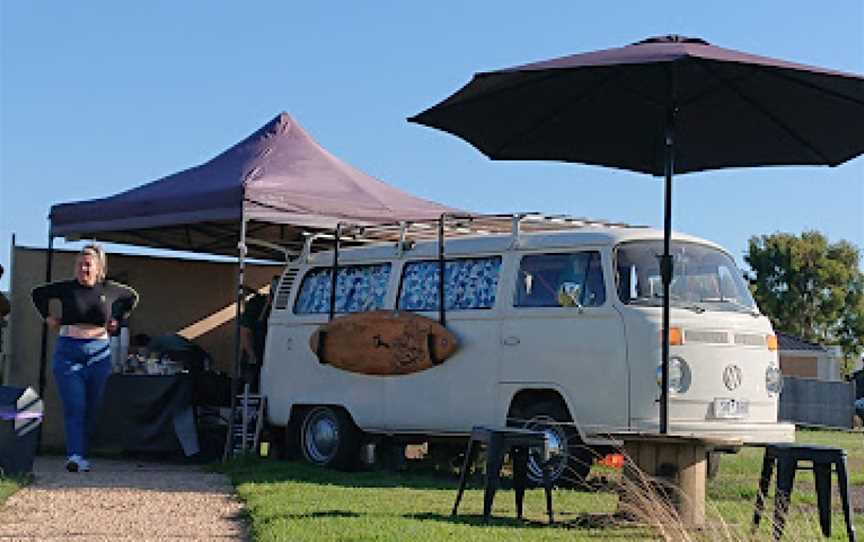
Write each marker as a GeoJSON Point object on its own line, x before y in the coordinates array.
{"type": "Point", "coordinates": [359, 288]}
{"type": "Point", "coordinates": [471, 283]}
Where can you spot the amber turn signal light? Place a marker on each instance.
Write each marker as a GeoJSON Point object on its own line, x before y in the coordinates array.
{"type": "Point", "coordinates": [772, 342]}
{"type": "Point", "coordinates": [676, 336]}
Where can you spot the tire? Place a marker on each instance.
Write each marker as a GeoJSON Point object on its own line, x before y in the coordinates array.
{"type": "Point", "coordinates": [713, 464]}
{"type": "Point", "coordinates": [287, 439]}
{"type": "Point", "coordinates": [570, 461]}
{"type": "Point", "coordinates": [329, 438]}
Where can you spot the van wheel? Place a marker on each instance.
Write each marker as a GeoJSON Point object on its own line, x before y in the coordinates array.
{"type": "Point", "coordinates": [288, 438]}
{"type": "Point", "coordinates": [713, 464]}
{"type": "Point", "coordinates": [570, 460]}
{"type": "Point", "coordinates": [329, 438]}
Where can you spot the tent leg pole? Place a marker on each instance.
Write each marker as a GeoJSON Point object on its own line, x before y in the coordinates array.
{"type": "Point", "coordinates": [43, 351]}
{"type": "Point", "coordinates": [238, 351]}
{"type": "Point", "coordinates": [241, 271]}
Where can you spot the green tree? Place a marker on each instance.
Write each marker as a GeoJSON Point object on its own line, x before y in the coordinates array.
{"type": "Point", "coordinates": [810, 288]}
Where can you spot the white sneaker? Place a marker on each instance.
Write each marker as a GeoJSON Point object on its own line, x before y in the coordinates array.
{"type": "Point", "coordinates": [76, 463]}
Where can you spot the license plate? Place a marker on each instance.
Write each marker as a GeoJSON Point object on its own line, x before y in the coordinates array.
{"type": "Point", "coordinates": [730, 408]}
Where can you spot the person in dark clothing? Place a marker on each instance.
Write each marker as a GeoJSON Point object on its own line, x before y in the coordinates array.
{"type": "Point", "coordinates": [92, 308]}
{"type": "Point", "coordinates": [176, 347]}
{"type": "Point", "coordinates": [253, 334]}
{"type": "Point", "coordinates": [5, 306]}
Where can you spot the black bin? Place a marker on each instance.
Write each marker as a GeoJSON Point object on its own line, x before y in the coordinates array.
{"type": "Point", "coordinates": [20, 418]}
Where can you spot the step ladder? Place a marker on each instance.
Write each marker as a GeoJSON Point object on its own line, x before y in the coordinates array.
{"type": "Point", "coordinates": [247, 419]}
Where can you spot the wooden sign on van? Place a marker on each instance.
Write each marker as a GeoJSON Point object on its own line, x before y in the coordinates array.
{"type": "Point", "coordinates": [383, 343]}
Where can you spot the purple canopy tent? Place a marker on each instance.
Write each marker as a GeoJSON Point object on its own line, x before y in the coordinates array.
{"type": "Point", "coordinates": [279, 181]}
{"type": "Point", "coordinates": [267, 192]}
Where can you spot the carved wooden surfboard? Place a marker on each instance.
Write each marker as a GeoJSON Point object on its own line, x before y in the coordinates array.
{"type": "Point", "coordinates": [383, 343]}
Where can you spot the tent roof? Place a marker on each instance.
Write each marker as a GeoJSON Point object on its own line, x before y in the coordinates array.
{"type": "Point", "coordinates": [279, 178]}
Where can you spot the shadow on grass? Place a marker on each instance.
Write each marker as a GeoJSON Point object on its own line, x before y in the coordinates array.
{"type": "Point", "coordinates": [584, 522]}
{"type": "Point", "coordinates": [477, 520]}
{"type": "Point", "coordinates": [318, 514]}
{"type": "Point", "coordinates": [263, 471]}
{"type": "Point", "coordinates": [252, 469]}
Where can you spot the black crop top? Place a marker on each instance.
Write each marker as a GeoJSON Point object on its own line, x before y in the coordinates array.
{"type": "Point", "coordinates": [85, 304]}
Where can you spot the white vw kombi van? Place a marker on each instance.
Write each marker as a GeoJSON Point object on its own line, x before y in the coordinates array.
{"type": "Point", "coordinates": [559, 329]}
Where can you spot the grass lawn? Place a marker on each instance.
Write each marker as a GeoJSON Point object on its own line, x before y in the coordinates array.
{"type": "Point", "coordinates": [8, 486]}
{"type": "Point", "coordinates": [294, 501]}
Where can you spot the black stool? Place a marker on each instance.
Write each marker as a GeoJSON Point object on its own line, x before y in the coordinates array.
{"type": "Point", "coordinates": [787, 457]}
{"type": "Point", "coordinates": [498, 442]}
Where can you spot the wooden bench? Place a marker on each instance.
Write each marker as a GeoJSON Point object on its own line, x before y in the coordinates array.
{"type": "Point", "coordinates": [674, 467]}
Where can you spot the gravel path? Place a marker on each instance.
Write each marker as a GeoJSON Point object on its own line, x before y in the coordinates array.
{"type": "Point", "coordinates": [122, 500]}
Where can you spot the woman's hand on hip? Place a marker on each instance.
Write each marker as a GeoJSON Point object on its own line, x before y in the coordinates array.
{"type": "Point", "coordinates": [53, 323]}
{"type": "Point", "coordinates": [112, 326]}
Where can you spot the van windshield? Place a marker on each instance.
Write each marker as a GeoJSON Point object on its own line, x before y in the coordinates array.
{"type": "Point", "coordinates": [704, 278]}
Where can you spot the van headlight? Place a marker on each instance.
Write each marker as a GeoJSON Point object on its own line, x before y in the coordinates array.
{"type": "Point", "coordinates": [773, 379]}
{"type": "Point", "coordinates": [679, 375]}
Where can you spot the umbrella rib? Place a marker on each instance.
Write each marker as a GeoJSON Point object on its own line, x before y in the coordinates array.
{"type": "Point", "coordinates": [620, 75]}
{"type": "Point", "coordinates": [484, 95]}
{"type": "Point", "coordinates": [807, 84]}
{"type": "Point", "coordinates": [524, 135]}
{"type": "Point", "coordinates": [774, 118]}
{"type": "Point", "coordinates": [693, 98]}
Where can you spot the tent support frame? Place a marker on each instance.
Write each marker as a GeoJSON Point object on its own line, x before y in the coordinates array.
{"type": "Point", "coordinates": [442, 316]}
{"type": "Point", "coordinates": [43, 349]}
{"type": "Point", "coordinates": [334, 272]}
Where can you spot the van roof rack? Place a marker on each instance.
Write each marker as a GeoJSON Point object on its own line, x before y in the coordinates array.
{"type": "Point", "coordinates": [454, 225]}
{"type": "Point", "coordinates": [405, 233]}
{"type": "Point", "coordinates": [464, 224]}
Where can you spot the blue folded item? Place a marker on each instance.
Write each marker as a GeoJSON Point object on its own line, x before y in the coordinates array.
{"type": "Point", "coordinates": [21, 412]}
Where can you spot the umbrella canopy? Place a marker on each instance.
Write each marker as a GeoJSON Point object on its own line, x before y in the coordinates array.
{"type": "Point", "coordinates": [279, 180]}
{"type": "Point", "coordinates": [613, 108]}
{"type": "Point", "coordinates": [664, 105]}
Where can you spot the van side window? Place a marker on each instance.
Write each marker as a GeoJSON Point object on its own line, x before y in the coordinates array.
{"type": "Point", "coordinates": [470, 283]}
{"type": "Point", "coordinates": [560, 280]}
{"type": "Point", "coordinates": [359, 288]}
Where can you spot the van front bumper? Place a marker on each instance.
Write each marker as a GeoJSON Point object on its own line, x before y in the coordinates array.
{"type": "Point", "coordinates": [747, 432]}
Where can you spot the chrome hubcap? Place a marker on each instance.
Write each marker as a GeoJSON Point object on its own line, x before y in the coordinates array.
{"type": "Point", "coordinates": [321, 437]}
{"type": "Point", "coordinates": [556, 445]}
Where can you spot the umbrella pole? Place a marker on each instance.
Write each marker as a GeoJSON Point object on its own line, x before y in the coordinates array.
{"type": "Point", "coordinates": [666, 269]}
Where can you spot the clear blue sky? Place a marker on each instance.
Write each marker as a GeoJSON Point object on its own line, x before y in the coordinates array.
{"type": "Point", "coordinates": [99, 97]}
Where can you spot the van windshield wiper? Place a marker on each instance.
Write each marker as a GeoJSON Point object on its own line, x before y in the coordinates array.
{"type": "Point", "coordinates": [657, 300]}
{"type": "Point", "coordinates": [737, 304]}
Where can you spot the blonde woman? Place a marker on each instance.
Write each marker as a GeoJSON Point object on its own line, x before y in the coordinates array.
{"type": "Point", "coordinates": [91, 309]}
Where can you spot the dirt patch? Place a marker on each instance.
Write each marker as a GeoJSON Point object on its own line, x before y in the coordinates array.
{"type": "Point", "coordinates": [123, 500]}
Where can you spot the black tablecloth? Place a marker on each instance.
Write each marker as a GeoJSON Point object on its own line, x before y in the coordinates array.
{"type": "Point", "coordinates": [140, 413]}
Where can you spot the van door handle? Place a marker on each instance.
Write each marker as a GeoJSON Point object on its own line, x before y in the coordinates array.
{"type": "Point", "coordinates": [511, 341]}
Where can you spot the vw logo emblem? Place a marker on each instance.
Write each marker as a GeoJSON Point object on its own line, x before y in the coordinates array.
{"type": "Point", "coordinates": [732, 376]}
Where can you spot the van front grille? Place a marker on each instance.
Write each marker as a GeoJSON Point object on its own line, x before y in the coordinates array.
{"type": "Point", "coordinates": [709, 337]}
{"type": "Point", "coordinates": [285, 286]}
{"type": "Point", "coordinates": [750, 339]}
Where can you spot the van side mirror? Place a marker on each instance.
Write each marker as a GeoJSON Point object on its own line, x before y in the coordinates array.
{"type": "Point", "coordinates": [569, 294]}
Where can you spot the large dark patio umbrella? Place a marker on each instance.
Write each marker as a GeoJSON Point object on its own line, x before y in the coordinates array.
{"type": "Point", "coordinates": [664, 105]}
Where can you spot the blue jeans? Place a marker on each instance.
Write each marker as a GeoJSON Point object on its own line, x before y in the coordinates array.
{"type": "Point", "coordinates": [81, 368]}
